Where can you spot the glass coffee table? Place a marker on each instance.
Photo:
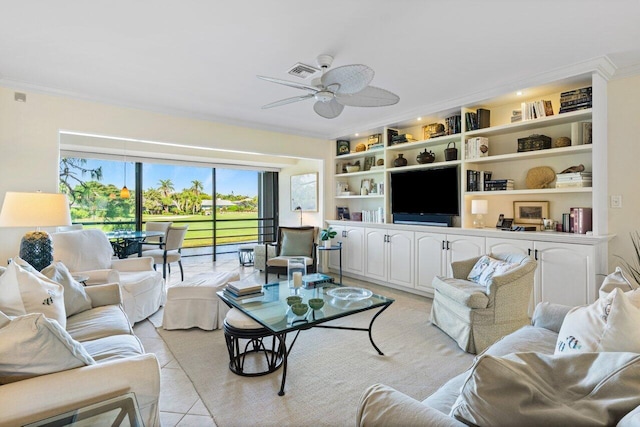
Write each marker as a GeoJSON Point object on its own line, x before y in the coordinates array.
{"type": "Point", "coordinates": [272, 311]}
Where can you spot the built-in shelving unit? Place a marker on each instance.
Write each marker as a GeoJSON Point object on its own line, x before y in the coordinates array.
{"type": "Point", "coordinates": [503, 160]}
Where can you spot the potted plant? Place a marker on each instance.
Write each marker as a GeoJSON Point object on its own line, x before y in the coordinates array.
{"type": "Point", "coordinates": [326, 234]}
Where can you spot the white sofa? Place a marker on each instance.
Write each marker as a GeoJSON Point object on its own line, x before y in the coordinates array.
{"type": "Point", "coordinates": [88, 252]}
{"type": "Point", "coordinates": [595, 397]}
{"type": "Point", "coordinates": [121, 366]}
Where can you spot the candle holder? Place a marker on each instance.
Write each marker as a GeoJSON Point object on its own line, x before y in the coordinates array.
{"type": "Point", "coordinates": [296, 268]}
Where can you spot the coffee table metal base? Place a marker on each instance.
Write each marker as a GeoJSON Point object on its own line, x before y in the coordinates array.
{"type": "Point", "coordinates": [282, 337]}
{"type": "Point", "coordinates": [238, 352]}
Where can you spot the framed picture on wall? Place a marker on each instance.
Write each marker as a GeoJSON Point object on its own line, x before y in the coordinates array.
{"type": "Point", "coordinates": [304, 192]}
{"type": "Point", "coordinates": [530, 212]}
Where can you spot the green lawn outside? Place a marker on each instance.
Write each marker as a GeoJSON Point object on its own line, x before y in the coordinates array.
{"type": "Point", "coordinates": [231, 227]}
{"type": "Point", "coordinates": [243, 227]}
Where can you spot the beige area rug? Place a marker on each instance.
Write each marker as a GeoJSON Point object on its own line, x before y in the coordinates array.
{"type": "Point", "coordinates": [328, 370]}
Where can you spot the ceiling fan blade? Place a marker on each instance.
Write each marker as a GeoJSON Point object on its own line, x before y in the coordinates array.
{"type": "Point", "coordinates": [370, 96]}
{"type": "Point", "coordinates": [312, 89]}
{"type": "Point", "coordinates": [287, 101]}
{"type": "Point", "coordinates": [351, 78]}
{"type": "Point", "coordinates": [328, 110]}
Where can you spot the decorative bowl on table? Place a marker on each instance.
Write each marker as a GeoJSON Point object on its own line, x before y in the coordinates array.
{"type": "Point", "coordinates": [299, 308]}
{"type": "Point", "coordinates": [316, 303]}
{"type": "Point", "coordinates": [350, 293]}
{"type": "Point", "coordinates": [294, 299]}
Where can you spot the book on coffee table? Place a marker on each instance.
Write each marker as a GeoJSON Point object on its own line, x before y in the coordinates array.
{"type": "Point", "coordinates": [315, 279]}
{"type": "Point", "coordinates": [243, 288]}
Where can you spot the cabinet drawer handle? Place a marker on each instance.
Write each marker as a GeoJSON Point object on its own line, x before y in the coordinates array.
{"type": "Point", "coordinates": [443, 245]}
{"type": "Point", "coordinates": [535, 254]}
{"type": "Point", "coordinates": [529, 251]}
{"type": "Point", "coordinates": [448, 245]}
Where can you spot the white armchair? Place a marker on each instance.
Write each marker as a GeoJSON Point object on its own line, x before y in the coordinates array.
{"type": "Point", "coordinates": [89, 253]}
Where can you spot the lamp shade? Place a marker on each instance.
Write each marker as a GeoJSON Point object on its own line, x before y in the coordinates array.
{"type": "Point", "coordinates": [34, 210]}
{"type": "Point", "coordinates": [479, 207]}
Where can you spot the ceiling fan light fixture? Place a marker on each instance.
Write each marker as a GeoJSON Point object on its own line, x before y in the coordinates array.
{"type": "Point", "coordinates": [324, 96]}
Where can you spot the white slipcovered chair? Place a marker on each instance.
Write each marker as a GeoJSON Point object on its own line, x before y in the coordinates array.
{"type": "Point", "coordinates": [89, 253]}
{"type": "Point", "coordinates": [153, 242]}
{"type": "Point", "coordinates": [170, 250]}
{"type": "Point", "coordinates": [476, 315]}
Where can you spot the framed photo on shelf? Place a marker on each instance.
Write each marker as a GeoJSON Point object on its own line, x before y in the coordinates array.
{"type": "Point", "coordinates": [366, 183]}
{"type": "Point", "coordinates": [368, 162]}
{"type": "Point", "coordinates": [342, 213]}
{"type": "Point", "coordinates": [343, 147]}
{"type": "Point", "coordinates": [530, 212]}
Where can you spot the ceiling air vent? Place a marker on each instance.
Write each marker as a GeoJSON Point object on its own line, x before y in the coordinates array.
{"type": "Point", "coordinates": [302, 70]}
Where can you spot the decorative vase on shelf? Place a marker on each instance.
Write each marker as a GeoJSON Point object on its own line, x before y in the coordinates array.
{"type": "Point", "coordinates": [400, 161]}
{"type": "Point", "coordinates": [425, 157]}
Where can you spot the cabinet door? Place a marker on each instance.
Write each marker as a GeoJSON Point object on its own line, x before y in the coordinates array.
{"type": "Point", "coordinates": [430, 258]}
{"type": "Point", "coordinates": [354, 250]}
{"type": "Point", "coordinates": [400, 249]}
{"type": "Point", "coordinates": [565, 272]}
{"type": "Point", "coordinates": [461, 248]}
{"type": "Point", "coordinates": [375, 253]}
{"type": "Point", "coordinates": [508, 246]}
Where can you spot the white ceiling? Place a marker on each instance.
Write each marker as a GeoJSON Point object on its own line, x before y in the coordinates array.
{"type": "Point", "coordinates": [201, 58]}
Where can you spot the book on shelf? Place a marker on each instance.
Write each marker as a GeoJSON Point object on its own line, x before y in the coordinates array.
{"type": "Point", "coordinates": [573, 176]}
{"type": "Point", "coordinates": [242, 288]}
{"type": "Point", "coordinates": [536, 109]}
{"type": "Point", "coordinates": [310, 281]}
{"type": "Point", "coordinates": [230, 294]}
{"type": "Point", "coordinates": [470, 121]}
{"type": "Point", "coordinates": [498, 185]}
{"type": "Point", "coordinates": [484, 118]}
{"type": "Point", "coordinates": [476, 147]}
{"type": "Point", "coordinates": [453, 124]}
{"type": "Point", "coordinates": [568, 184]}
{"type": "Point", "coordinates": [476, 180]}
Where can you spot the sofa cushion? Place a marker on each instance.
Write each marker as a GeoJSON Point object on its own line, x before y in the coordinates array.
{"type": "Point", "coordinates": [98, 323]}
{"type": "Point", "coordinates": [32, 345]}
{"type": "Point", "coordinates": [464, 292]}
{"type": "Point", "coordinates": [486, 267]}
{"type": "Point", "coordinates": [113, 347]}
{"type": "Point", "coordinates": [76, 299]}
{"type": "Point", "coordinates": [609, 324]}
{"type": "Point", "coordinates": [140, 282]}
{"type": "Point", "coordinates": [24, 290]}
{"type": "Point", "coordinates": [537, 389]}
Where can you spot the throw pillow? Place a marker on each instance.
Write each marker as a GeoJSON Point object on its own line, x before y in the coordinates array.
{"type": "Point", "coordinates": [609, 324]}
{"type": "Point", "coordinates": [535, 389]}
{"type": "Point", "coordinates": [23, 291]}
{"type": "Point", "coordinates": [486, 267]}
{"type": "Point", "coordinates": [296, 243]}
{"type": "Point", "coordinates": [76, 299]}
{"type": "Point", "coordinates": [33, 345]}
{"type": "Point", "coordinates": [617, 279]}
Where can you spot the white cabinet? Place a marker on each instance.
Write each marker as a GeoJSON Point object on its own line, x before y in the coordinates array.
{"type": "Point", "coordinates": [389, 256]}
{"type": "Point", "coordinates": [565, 274]}
{"type": "Point", "coordinates": [435, 252]}
{"type": "Point", "coordinates": [352, 239]}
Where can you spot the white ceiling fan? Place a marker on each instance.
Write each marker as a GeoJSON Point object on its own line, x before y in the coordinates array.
{"type": "Point", "coordinates": [347, 85]}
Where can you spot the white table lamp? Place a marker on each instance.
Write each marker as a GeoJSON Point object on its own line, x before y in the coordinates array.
{"type": "Point", "coordinates": [35, 210]}
{"type": "Point", "coordinates": [479, 208]}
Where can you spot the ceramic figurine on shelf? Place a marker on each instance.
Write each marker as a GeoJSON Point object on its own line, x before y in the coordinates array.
{"type": "Point", "coordinates": [400, 161]}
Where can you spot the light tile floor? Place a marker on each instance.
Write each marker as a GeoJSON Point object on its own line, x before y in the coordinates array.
{"type": "Point", "coordinates": [180, 404]}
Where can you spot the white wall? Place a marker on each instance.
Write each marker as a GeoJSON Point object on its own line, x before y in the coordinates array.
{"type": "Point", "coordinates": [624, 165]}
{"type": "Point", "coordinates": [29, 140]}
{"type": "Point", "coordinates": [292, 218]}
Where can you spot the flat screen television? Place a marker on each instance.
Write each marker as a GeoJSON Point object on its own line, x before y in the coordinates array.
{"type": "Point", "coordinates": [426, 196]}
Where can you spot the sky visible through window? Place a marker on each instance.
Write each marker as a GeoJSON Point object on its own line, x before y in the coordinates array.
{"type": "Point", "coordinates": [236, 181]}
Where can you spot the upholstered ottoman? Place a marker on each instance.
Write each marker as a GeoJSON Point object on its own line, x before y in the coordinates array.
{"type": "Point", "coordinates": [194, 303]}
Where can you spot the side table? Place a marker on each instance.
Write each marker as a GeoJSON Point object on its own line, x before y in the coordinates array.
{"type": "Point", "coordinates": [338, 248]}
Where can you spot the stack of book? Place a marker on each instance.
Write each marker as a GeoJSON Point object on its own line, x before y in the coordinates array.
{"type": "Point", "coordinates": [575, 179]}
{"type": "Point", "coordinates": [476, 180]}
{"type": "Point", "coordinates": [536, 109]}
{"type": "Point", "coordinates": [573, 100]}
{"type": "Point", "coordinates": [498, 185]}
{"type": "Point", "coordinates": [516, 116]}
{"type": "Point", "coordinates": [241, 290]}
{"type": "Point", "coordinates": [479, 120]}
{"type": "Point", "coordinates": [311, 281]}
{"type": "Point", "coordinates": [403, 137]}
